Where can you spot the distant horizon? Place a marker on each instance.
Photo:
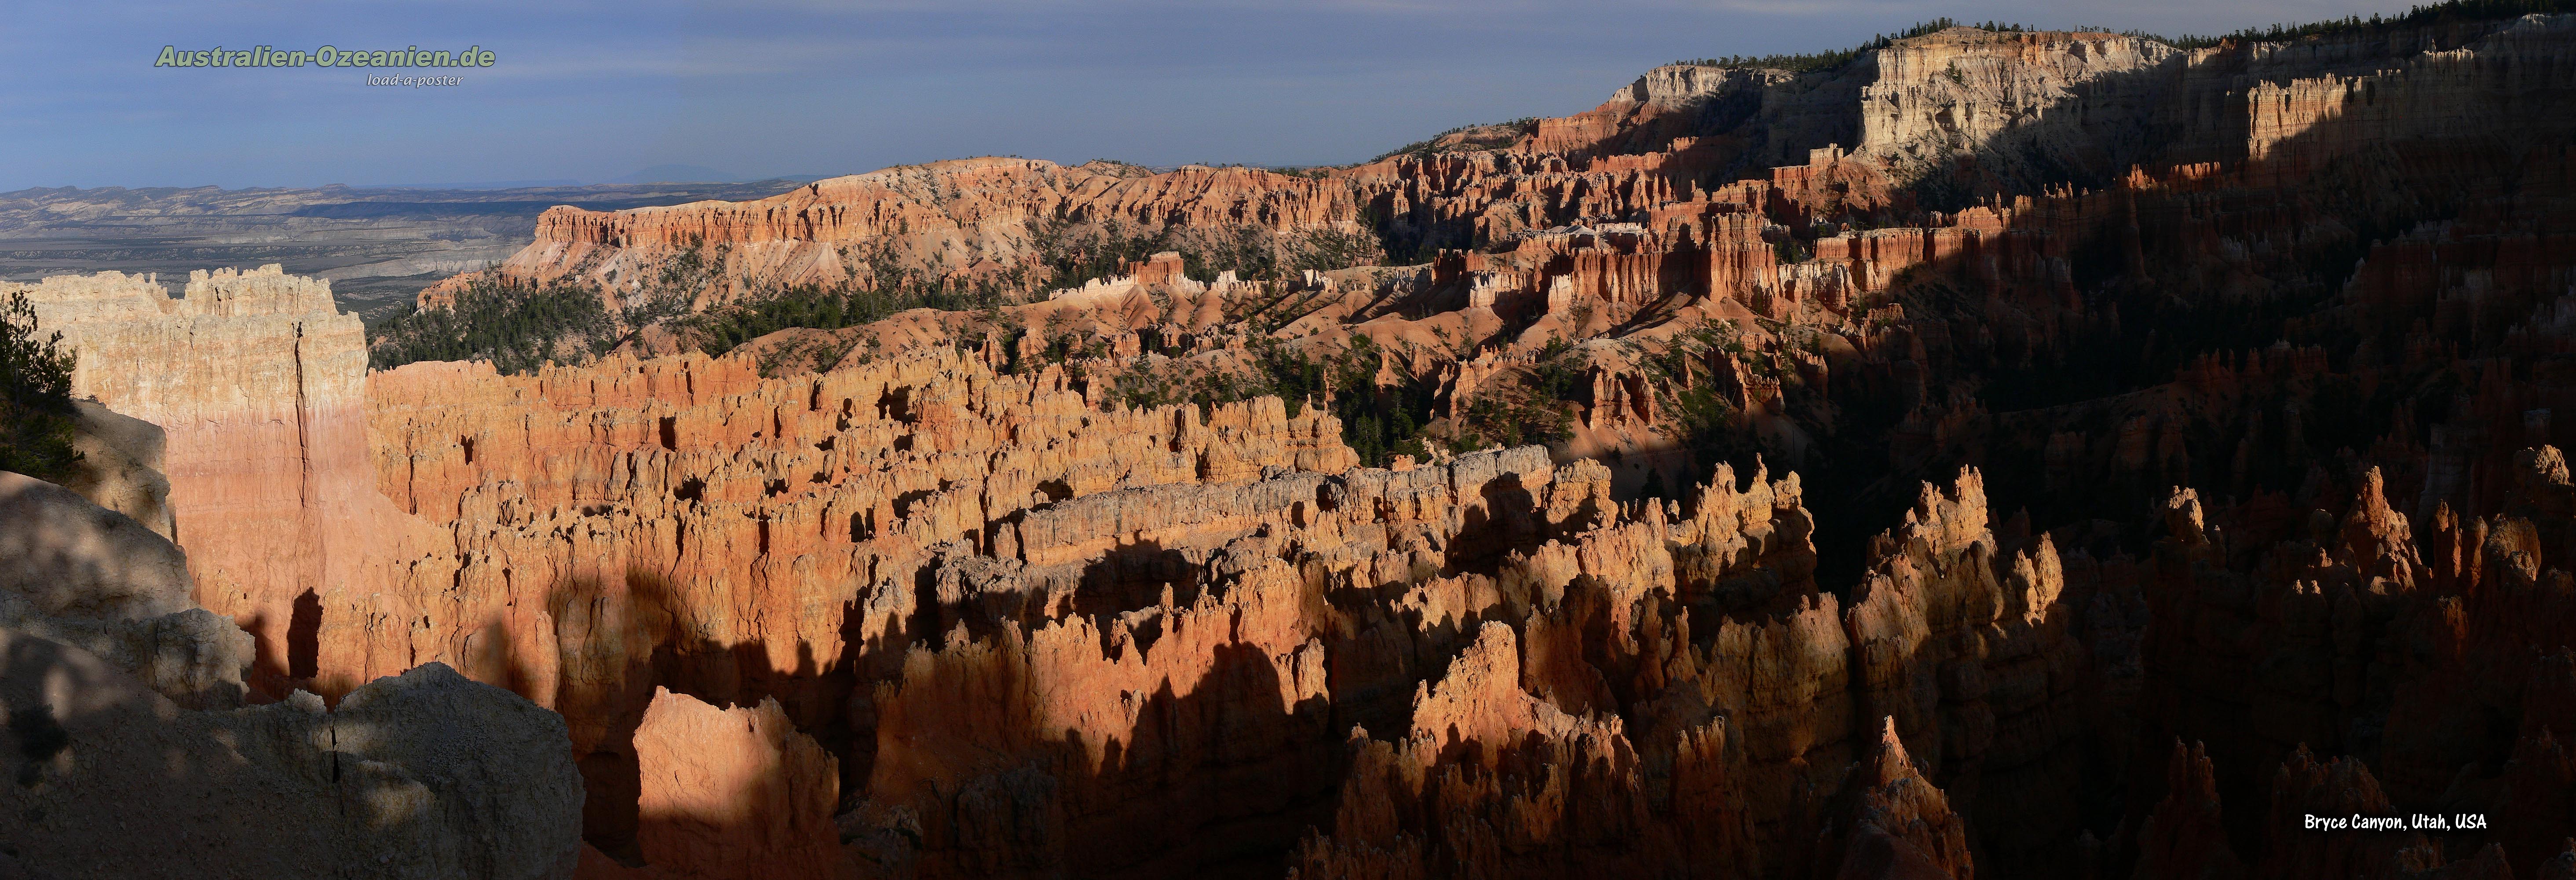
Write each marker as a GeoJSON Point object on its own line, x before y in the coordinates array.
{"type": "Point", "coordinates": [592, 94]}
{"type": "Point", "coordinates": [636, 178]}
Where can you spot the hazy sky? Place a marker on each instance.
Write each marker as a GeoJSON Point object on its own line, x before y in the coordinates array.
{"type": "Point", "coordinates": [595, 90]}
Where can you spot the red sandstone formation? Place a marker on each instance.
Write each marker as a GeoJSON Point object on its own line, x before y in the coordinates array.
{"type": "Point", "coordinates": [1896, 824]}
{"type": "Point", "coordinates": [733, 793]}
{"type": "Point", "coordinates": [974, 216]}
{"type": "Point", "coordinates": [1715, 749]}
{"type": "Point", "coordinates": [260, 385]}
{"type": "Point", "coordinates": [2183, 836]}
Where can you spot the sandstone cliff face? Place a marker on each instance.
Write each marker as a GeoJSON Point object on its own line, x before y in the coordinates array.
{"type": "Point", "coordinates": [2298, 126]}
{"type": "Point", "coordinates": [258, 383]}
{"type": "Point", "coordinates": [2031, 108]}
{"type": "Point", "coordinates": [975, 217]}
{"type": "Point", "coordinates": [784, 494]}
{"type": "Point", "coordinates": [1955, 115]}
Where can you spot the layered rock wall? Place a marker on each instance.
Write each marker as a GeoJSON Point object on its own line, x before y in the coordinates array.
{"type": "Point", "coordinates": [258, 383]}
{"type": "Point", "coordinates": [2029, 108]}
{"type": "Point", "coordinates": [974, 218]}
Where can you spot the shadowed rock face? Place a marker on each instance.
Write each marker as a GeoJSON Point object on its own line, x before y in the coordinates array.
{"type": "Point", "coordinates": [130, 753]}
{"type": "Point", "coordinates": [84, 579]}
{"type": "Point", "coordinates": [2201, 477]}
{"type": "Point", "coordinates": [1725, 743]}
{"type": "Point", "coordinates": [2040, 106]}
{"type": "Point", "coordinates": [734, 793]}
{"type": "Point", "coordinates": [120, 467]}
{"type": "Point", "coordinates": [422, 775]}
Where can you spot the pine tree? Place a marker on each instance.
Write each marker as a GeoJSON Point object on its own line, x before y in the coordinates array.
{"type": "Point", "coordinates": [36, 414]}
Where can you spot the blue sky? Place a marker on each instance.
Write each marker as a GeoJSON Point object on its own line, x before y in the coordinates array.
{"type": "Point", "coordinates": [591, 90]}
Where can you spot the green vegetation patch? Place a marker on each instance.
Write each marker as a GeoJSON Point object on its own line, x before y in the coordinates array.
{"type": "Point", "coordinates": [1075, 253]}
{"type": "Point", "coordinates": [1702, 417]}
{"type": "Point", "coordinates": [517, 329]}
{"type": "Point", "coordinates": [897, 288]}
{"type": "Point", "coordinates": [2454, 12]}
{"type": "Point", "coordinates": [1378, 422]}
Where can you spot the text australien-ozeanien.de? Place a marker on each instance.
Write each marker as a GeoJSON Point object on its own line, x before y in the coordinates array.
{"type": "Point", "coordinates": [325, 56]}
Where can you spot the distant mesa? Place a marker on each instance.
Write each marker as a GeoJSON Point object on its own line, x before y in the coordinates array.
{"type": "Point", "coordinates": [701, 174]}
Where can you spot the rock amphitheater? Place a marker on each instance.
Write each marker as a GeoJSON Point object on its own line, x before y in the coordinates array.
{"type": "Point", "coordinates": [2194, 473]}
